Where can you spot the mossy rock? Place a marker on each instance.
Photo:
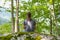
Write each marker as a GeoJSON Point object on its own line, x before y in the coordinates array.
{"type": "Point", "coordinates": [29, 38]}
{"type": "Point", "coordinates": [38, 38]}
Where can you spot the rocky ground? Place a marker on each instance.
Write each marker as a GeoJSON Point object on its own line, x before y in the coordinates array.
{"type": "Point", "coordinates": [28, 36]}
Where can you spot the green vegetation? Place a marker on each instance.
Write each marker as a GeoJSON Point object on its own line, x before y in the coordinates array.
{"type": "Point", "coordinates": [45, 12]}
{"type": "Point", "coordinates": [5, 28]}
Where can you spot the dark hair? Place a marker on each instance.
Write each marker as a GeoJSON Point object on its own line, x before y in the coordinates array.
{"type": "Point", "coordinates": [29, 14]}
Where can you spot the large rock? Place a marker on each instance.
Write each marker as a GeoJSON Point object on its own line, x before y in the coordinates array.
{"type": "Point", "coordinates": [28, 36]}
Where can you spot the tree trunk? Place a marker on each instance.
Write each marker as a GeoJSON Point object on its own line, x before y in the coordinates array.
{"type": "Point", "coordinates": [51, 25]}
{"type": "Point", "coordinates": [12, 14]}
{"type": "Point", "coordinates": [17, 14]}
{"type": "Point", "coordinates": [50, 21]}
{"type": "Point", "coordinates": [58, 7]}
{"type": "Point", "coordinates": [58, 31]}
{"type": "Point", "coordinates": [52, 15]}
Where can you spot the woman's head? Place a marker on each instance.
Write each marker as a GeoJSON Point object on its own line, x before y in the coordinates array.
{"type": "Point", "coordinates": [29, 15]}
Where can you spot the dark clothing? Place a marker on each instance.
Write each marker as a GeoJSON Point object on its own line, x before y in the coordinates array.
{"type": "Point", "coordinates": [29, 25]}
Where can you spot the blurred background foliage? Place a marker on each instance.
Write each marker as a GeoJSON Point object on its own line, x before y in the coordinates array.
{"type": "Point", "coordinates": [40, 12]}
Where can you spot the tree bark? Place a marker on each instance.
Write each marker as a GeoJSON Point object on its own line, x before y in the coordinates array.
{"type": "Point", "coordinates": [58, 7]}
{"type": "Point", "coordinates": [52, 16]}
{"type": "Point", "coordinates": [17, 19]}
{"type": "Point", "coordinates": [12, 15]}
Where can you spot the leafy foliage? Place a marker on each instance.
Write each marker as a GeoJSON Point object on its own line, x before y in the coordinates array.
{"type": "Point", "coordinates": [5, 28]}
{"type": "Point", "coordinates": [40, 12]}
